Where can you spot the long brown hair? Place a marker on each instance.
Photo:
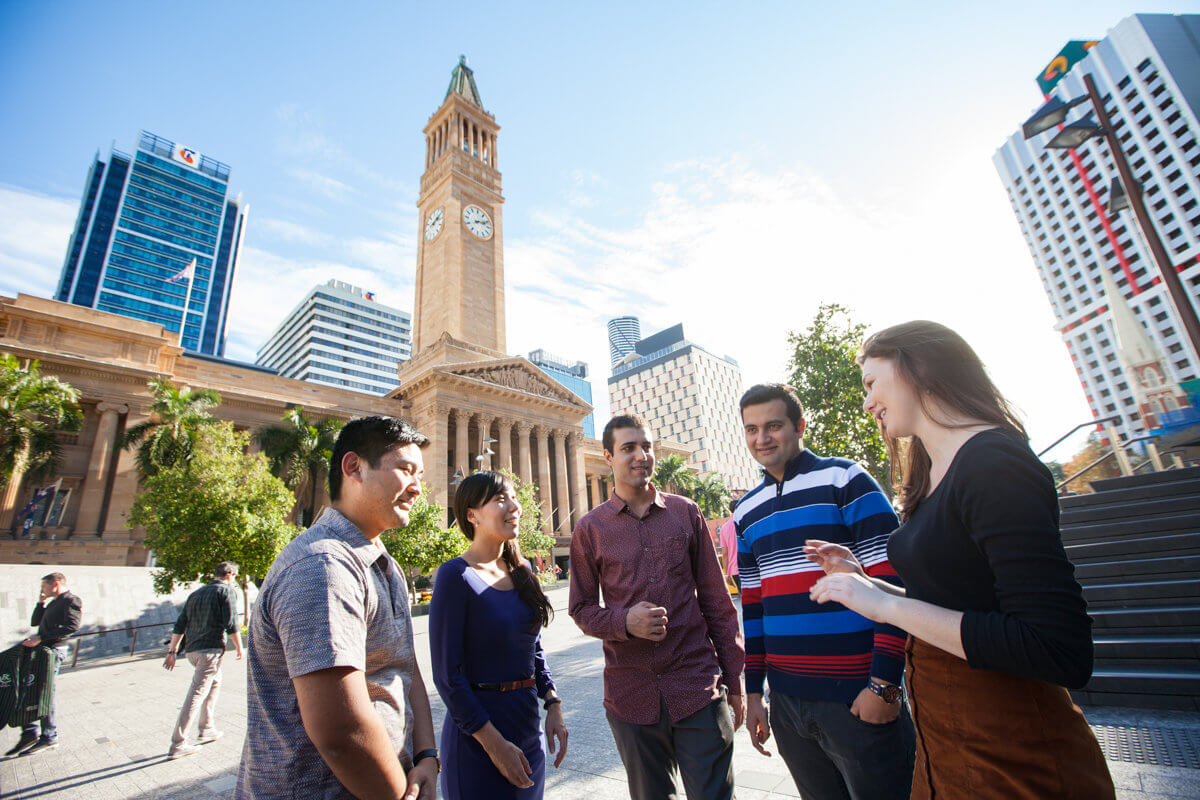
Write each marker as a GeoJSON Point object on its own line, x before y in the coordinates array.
{"type": "Point", "coordinates": [477, 489]}
{"type": "Point", "coordinates": [939, 365]}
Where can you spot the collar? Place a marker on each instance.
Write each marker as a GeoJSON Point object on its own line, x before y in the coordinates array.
{"type": "Point", "coordinates": [616, 504]}
{"type": "Point", "coordinates": [342, 529]}
{"type": "Point", "coordinates": [802, 463]}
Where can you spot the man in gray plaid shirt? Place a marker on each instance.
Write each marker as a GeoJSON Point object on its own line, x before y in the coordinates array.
{"type": "Point", "coordinates": [337, 707]}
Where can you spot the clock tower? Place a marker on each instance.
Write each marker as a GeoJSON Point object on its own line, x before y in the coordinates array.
{"type": "Point", "coordinates": [460, 255]}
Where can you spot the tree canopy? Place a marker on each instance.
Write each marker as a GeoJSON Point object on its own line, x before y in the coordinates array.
{"type": "Point", "coordinates": [299, 451]}
{"type": "Point", "coordinates": [34, 409]}
{"type": "Point", "coordinates": [176, 417]}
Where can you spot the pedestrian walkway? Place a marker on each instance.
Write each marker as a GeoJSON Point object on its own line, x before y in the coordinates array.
{"type": "Point", "coordinates": [115, 719]}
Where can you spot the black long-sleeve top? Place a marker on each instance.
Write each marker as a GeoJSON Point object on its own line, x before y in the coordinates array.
{"type": "Point", "coordinates": [986, 542]}
{"type": "Point", "coordinates": [58, 619]}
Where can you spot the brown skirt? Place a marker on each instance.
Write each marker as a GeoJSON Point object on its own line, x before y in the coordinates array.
{"type": "Point", "coordinates": [984, 734]}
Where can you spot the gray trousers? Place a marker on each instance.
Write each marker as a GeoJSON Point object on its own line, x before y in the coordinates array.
{"type": "Point", "coordinates": [700, 746]}
{"type": "Point", "coordinates": [202, 695]}
{"type": "Point", "coordinates": [833, 755]}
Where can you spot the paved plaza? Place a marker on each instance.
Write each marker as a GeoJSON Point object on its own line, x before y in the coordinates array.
{"type": "Point", "coordinates": [115, 718]}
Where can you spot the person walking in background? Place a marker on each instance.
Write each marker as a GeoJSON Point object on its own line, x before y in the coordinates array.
{"type": "Point", "coordinates": [729, 557]}
{"type": "Point", "coordinates": [485, 624]}
{"type": "Point", "coordinates": [57, 616]}
{"type": "Point", "coordinates": [835, 703]}
{"type": "Point", "coordinates": [208, 615]}
{"type": "Point", "coordinates": [998, 627]}
{"type": "Point", "coordinates": [673, 652]}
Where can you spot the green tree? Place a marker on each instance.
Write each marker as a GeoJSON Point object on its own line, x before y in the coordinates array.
{"type": "Point", "coordinates": [299, 451]}
{"type": "Point", "coordinates": [672, 474]}
{"type": "Point", "coordinates": [823, 369]}
{"type": "Point", "coordinates": [424, 544]}
{"type": "Point", "coordinates": [221, 504]}
{"type": "Point", "coordinates": [533, 541]}
{"type": "Point", "coordinates": [33, 410]}
{"type": "Point", "coordinates": [1094, 448]}
{"type": "Point", "coordinates": [712, 495]}
{"type": "Point", "coordinates": [176, 418]}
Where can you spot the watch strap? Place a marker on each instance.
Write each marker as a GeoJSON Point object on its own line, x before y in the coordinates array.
{"type": "Point", "coordinates": [427, 753]}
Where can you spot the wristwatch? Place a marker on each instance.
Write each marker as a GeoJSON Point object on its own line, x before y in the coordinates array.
{"type": "Point", "coordinates": [429, 753]}
{"type": "Point", "coordinates": [889, 693]}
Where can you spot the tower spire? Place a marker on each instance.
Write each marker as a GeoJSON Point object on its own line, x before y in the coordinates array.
{"type": "Point", "coordinates": [462, 82]}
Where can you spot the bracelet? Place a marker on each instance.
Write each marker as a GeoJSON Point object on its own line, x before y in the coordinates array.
{"type": "Point", "coordinates": [551, 701]}
{"type": "Point", "coordinates": [428, 753]}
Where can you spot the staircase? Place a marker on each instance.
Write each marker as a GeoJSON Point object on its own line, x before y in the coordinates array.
{"type": "Point", "coordinates": [1135, 544]}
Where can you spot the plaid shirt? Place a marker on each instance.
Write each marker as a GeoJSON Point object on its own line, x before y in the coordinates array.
{"type": "Point", "coordinates": [209, 614]}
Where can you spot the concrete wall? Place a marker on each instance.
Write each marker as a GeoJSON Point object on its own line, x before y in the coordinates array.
{"type": "Point", "coordinates": [113, 597]}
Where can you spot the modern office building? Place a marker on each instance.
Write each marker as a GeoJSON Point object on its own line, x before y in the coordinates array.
{"type": "Point", "coordinates": [1147, 70]}
{"type": "Point", "coordinates": [573, 376]}
{"type": "Point", "coordinates": [339, 335]}
{"type": "Point", "coordinates": [157, 233]}
{"type": "Point", "coordinates": [689, 395]}
{"type": "Point", "coordinates": [623, 336]}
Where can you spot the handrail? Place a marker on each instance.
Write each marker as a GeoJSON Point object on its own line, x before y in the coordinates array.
{"type": "Point", "coordinates": [1112, 452]}
{"type": "Point", "coordinates": [132, 645]}
{"type": "Point", "coordinates": [1095, 463]}
{"type": "Point", "coordinates": [1065, 436]}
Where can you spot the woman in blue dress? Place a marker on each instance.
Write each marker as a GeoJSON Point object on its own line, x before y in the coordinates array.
{"type": "Point", "coordinates": [485, 621]}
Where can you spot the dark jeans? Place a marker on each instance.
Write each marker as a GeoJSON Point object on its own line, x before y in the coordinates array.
{"type": "Point", "coordinates": [700, 745]}
{"type": "Point", "coordinates": [49, 729]}
{"type": "Point", "coordinates": [834, 755]}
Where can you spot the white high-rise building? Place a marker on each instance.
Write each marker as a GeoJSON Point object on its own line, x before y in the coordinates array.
{"type": "Point", "coordinates": [623, 335]}
{"type": "Point", "coordinates": [339, 335]}
{"type": "Point", "coordinates": [688, 395]}
{"type": "Point", "coordinates": [1147, 70]}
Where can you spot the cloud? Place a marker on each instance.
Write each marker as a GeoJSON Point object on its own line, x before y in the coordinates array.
{"type": "Point", "coordinates": [291, 232]}
{"type": "Point", "coordinates": [34, 231]}
{"type": "Point", "coordinates": [741, 256]}
{"type": "Point", "coordinates": [322, 184]}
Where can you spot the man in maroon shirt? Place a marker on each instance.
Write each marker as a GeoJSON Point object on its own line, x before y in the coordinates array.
{"type": "Point", "coordinates": [673, 652]}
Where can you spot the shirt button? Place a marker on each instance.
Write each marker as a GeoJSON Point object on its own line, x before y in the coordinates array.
{"type": "Point", "coordinates": [652, 580]}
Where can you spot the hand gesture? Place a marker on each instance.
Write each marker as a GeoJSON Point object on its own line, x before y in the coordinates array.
{"type": "Point", "coordinates": [422, 781]}
{"type": "Point", "coordinates": [757, 723]}
{"type": "Point", "coordinates": [556, 733]}
{"type": "Point", "coordinates": [832, 557]}
{"type": "Point", "coordinates": [511, 762]}
{"type": "Point", "coordinates": [169, 662]}
{"type": "Point", "coordinates": [870, 707]}
{"type": "Point", "coordinates": [647, 621]}
{"type": "Point", "coordinates": [855, 592]}
{"type": "Point", "coordinates": [737, 704]}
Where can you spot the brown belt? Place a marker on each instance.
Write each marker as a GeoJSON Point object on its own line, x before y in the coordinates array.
{"type": "Point", "coordinates": [505, 686]}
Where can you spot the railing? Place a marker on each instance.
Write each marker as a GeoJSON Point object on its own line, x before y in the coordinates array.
{"type": "Point", "coordinates": [1080, 426]}
{"type": "Point", "coordinates": [1116, 450]}
{"type": "Point", "coordinates": [77, 637]}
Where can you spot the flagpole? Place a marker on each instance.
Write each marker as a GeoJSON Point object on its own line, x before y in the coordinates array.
{"type": "Point", "coordinates": [187, 299]}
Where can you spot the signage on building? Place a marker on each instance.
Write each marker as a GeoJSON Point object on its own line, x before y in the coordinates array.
{"type": "Point", "coordinates": [186, 155]}
{"type": "Point", "coordinates": [1074, 52]}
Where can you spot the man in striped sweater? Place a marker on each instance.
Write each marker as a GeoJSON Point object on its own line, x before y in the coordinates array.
{"type": "Point", "coordinates": [835, 702]}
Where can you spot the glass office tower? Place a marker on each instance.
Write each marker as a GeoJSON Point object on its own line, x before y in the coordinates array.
{"type": "Point", "coordinates": [143, 221]}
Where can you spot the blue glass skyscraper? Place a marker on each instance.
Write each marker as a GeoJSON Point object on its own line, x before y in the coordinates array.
{"type": "Point", "coordinates": [573, 376]}
{"type": "Point", "coordinates": [143, 220]}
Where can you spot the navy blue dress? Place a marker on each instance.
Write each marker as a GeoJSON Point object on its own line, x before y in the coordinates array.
{"type": "Point", "coordinates": [479, 634]}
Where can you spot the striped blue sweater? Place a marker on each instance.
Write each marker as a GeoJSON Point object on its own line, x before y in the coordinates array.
{"type": "Point", "coordinates": [806, 650]}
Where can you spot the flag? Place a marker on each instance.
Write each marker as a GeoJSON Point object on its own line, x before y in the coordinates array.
{"type": "Point", "coordinates": [187, 272]}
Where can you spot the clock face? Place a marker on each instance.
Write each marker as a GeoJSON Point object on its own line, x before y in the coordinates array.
{"type": "Point", "coordinates": [433, 225]}
{"type": "Point", "coordinates": [477, 222]}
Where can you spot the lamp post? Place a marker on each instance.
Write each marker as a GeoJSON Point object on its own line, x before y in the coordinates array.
{"type": "Point", "coordinates": [1052, 114]}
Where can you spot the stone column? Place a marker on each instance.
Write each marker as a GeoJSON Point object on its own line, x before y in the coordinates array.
{"type": "Point", "coordinates": [485, 433]}
{"type": "Point", "coordinates": [524, 461]}
{"type": "Point", "coordinates": [579, 505]}
{"type": "Point", "coordinates": [462, 445]}
{"type": "Point", "coordinates": [544, 492]}
{"type": "Point", "coordinates": [437, 456]}
{"type": "Point", "coordinates": [504, 433]}
{"type": "Point", "coordinates": [597, 491]}
{"type": "Point", "coordinates": [563, 500]}
{"type": "Point", "coordinates": [95, 482]}
{"type": "Point", "coordinates": [125, 486]}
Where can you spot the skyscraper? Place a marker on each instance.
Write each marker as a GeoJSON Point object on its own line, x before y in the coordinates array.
{"type": "Point", "coordinates": [573, 376]}
{"type": "Point", "coordinates": [339, 335]}
{"type": "Point", "coordinates": [1147, 70]}
{"type": "Point", "coordinates": [689, 395]}
{"type": "Point", "coordinates": [623, 336]}
{"type": "Point", "coordinates": [157, 233]}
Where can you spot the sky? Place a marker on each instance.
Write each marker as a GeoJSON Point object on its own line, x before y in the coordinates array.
{"type": "Point", "coordinates": [726, 166]}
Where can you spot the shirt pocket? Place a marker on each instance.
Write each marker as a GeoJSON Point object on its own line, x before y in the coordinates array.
{"type": "Point", "coordinates": [675, 553]}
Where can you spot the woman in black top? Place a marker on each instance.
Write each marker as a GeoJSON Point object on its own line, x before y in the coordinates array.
{"type": "Point", "coordinates": [996, 620]}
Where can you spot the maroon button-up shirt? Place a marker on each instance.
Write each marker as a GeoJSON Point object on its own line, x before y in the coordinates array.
{"type": "Point", "coordinates": [665, 558]}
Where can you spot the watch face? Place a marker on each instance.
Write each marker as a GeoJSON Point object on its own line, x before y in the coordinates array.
{"type": "Point", "coordinates": [477, 222]}
{"type": "Point", "coordinates": [433, 225]}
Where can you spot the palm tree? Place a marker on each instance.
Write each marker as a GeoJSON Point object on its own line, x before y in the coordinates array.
{"type": "Point", "coordinates": [712, 496]}
{"type": "Point", "coordinates": [176, 416]}
{"type": "Point", "coordinates": [299, 452]}
{"type": "Point", "coordinates": [673, 475]}
{"type": "Point", "coordinates": [33, 410]}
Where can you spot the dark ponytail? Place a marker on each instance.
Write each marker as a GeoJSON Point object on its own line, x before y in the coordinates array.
{"type": "Point", "coordinates": [476, 490]}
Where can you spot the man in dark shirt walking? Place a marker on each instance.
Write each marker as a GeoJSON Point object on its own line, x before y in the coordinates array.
{"type": "Point", "coordinates": [209, 613]}
{"type": "Point", "coordinates": [57, 616]}
{"type": "Point", "coordinates": [673, 651]}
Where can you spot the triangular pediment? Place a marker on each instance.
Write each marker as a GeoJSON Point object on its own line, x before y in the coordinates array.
{"type": "Point", "coordinates": [514, 374]}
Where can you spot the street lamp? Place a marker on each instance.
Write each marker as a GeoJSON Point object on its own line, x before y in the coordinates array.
{"type": "Point", "coordinates": [1052, 114]}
